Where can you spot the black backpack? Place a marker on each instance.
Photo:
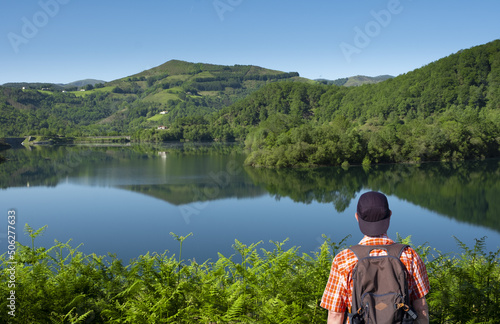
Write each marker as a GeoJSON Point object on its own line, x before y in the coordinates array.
{"type": "Point", "coordinates": [380, 287]}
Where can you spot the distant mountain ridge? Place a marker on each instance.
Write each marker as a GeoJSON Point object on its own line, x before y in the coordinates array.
{"type": "Point", "coordinates": [82, 83]}
{"type": "Point", "coordinates": [54, 86]}
{"type": "Point", "coordinates": [179, 67]}
{"type": "Point", "coordinates": [356, 80]}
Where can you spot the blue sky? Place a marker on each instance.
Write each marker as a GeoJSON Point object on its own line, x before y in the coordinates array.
{"type": "Point", "coordinates": [62, 41]}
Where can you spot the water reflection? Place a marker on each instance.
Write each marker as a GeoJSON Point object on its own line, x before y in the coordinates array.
{"type": "Point", "coordinates": [183, 174]}
{"type": "Point", "coordinates": [466, 191]}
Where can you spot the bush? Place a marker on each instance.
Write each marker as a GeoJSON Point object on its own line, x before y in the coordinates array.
{"type": "Point", "coordinates": [62, 285]}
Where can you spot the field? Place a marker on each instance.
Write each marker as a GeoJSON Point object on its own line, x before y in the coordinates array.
{"type": "Point", "coordinates": [156, 118]}
{"type": "Point", "coordinates": [85, 93]}
{"type": "Point", "coordinates": [162, 96]}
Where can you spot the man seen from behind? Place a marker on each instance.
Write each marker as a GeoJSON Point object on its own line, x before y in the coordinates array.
{"type": "Point", "coordinates": [373, 216]}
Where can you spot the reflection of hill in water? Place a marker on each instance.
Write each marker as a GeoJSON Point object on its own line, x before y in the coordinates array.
{"type": "Point", "coordinates": [44, 166]}
{"type": "Point", "coordinates": [324, 185]}
{"type": "Point", "coordinates": [189, 193]}
{"type": "Point", "coordinates": [466, 191]}
{"type": "Point", "coordinates": [180, 174]}
{"type": "Point", "coordinates": [111, 166]}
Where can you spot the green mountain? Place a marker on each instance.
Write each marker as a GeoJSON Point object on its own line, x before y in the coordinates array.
{"type": "Point", "coordinates": [178, 80]}
{"type": "Point", "coordinates": [132, 103]}
{"type": "Point", "coordinates": [447, 110]}
{"type": "Point", "coordinates": [355, 81]}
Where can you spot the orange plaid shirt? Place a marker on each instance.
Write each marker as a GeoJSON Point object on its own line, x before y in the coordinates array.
{"type": "Point", "coordinates": [337, 296]}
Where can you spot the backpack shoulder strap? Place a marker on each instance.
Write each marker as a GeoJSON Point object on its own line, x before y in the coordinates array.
{"type": "Point", "coordinates": [361, 251]}
{"type": "Point", "coordinates": [396, 249]}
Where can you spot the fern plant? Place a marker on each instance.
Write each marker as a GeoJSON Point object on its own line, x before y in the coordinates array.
{"type": "Point", "coordinates": [62, 285]}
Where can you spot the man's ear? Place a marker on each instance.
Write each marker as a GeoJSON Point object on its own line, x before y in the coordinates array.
{"type": "Point", "coordinates": [356, 215]}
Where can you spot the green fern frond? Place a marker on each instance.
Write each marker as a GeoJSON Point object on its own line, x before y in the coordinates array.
{"type": "Point", "coordinates": [137, 285]}
{"type": "Point", "coordinates": [236, 310]}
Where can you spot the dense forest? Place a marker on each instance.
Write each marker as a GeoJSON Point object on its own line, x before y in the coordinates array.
{"type": "Point", "coordinates": [446, 110]}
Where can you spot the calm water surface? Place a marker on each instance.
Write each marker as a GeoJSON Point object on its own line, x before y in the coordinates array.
{"type": "Point", "coordinates": [127, 200]}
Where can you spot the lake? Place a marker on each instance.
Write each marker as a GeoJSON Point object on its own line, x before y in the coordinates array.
{"type": "Point", "coordinates": [127, 200]}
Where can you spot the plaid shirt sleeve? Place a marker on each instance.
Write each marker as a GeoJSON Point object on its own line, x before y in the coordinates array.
{"type": "Point", "coordinates": [418, 280]}
{"type": "Point", "coordinates": [336, 296]}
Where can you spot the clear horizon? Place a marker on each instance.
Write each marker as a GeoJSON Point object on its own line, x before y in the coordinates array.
{"type": "Point", "coordinates": [62, 41]}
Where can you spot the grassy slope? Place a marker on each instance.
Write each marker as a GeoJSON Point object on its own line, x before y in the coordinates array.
{"type": "Point", "coordinates": [160, 88]}
{"type": "Point", "coordinates": [186, 73]}
{"type": "Point", "coordinates": [86, 93]}
{"type": "Point", "coordinates": [162, 96]}
{"type": "Point", "coordinates": [361, 79]}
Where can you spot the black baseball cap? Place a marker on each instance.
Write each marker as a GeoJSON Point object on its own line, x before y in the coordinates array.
{"type": "Point", "coordinates": [374, 214]}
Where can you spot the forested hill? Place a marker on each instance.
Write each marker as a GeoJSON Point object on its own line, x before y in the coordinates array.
{"type": "Point", "coordinates": [447, 110]}
{"type": "Point", "coordinates": [177, 88]}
